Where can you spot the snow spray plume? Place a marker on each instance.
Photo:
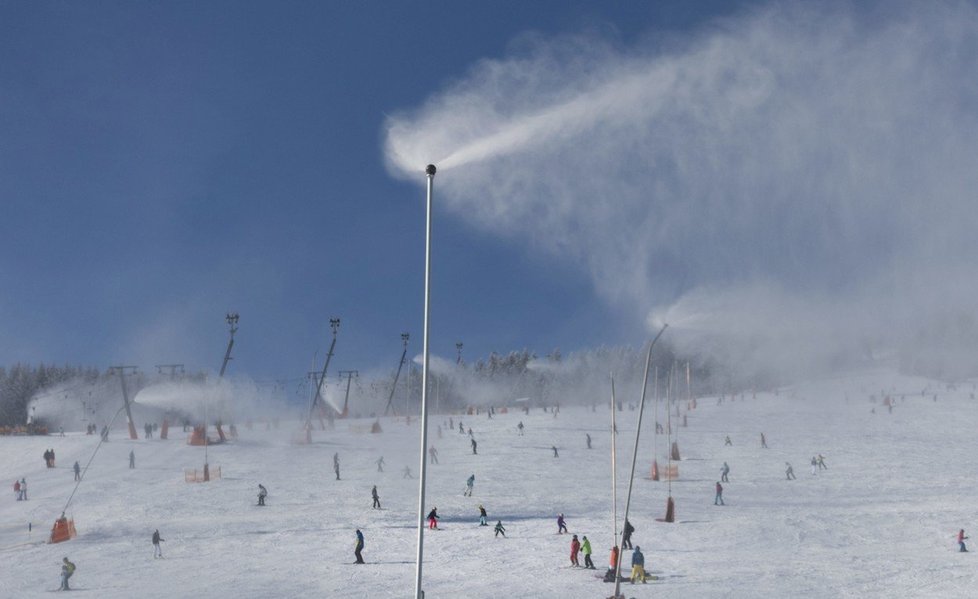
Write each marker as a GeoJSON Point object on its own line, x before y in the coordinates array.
{"type": "Point", "coordinates": [797, 180]}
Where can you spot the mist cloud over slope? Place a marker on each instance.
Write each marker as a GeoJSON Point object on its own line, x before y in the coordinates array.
{"type": "Point", "coordinates": [801, 179]}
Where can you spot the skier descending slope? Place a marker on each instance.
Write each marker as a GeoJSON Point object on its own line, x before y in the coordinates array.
{"type": "Point", "coordinates": [561, 525]}
{"type": "Point", "coordinates": [468, 486]}
{"type": "Point", "coordinates": [359, 548]}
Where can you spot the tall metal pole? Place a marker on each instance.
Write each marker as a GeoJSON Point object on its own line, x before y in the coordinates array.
{"type": "Point", "coordinates": [614, 466]}
{"type": "Point", "coordinates": [125, 396]}
{"type": "Point", "coordinates": [232, 320]}
{"type": "Point", "coordinates": [638, 433]}
{"type": "Point", "coordinates": [334, 324]}
{"type": "Point", "coordinates": [430, 172]}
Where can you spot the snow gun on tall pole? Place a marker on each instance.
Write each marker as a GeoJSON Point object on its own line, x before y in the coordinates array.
{"type": "Point", "coordinates": [638, 433]}
{"type": "Point", "coordinates": [430, 173]}
{"type": "Point", "coordinates": [232, 320]}
{"type": "Point", "coordinates": [397, 375]}
{"type": "Point", "coordinates": [317, 398]}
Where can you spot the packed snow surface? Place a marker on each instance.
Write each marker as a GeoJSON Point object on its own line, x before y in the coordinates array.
{"type": "Point", "coordinates": [879, 522]}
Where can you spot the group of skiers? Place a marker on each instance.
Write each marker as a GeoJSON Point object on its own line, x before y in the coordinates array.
{"type": "Point", "coordinates": [49, 458]}
{"type": "Point", "coordinates": [20, 489]}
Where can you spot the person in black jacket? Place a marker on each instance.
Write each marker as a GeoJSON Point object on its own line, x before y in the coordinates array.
{"type": "Point", "coordinates": [157, 551]}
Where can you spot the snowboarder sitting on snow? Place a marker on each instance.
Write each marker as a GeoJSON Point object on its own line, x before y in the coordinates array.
{"type": "Point", "coordinates": [575, 549]}
{"type": "Point", "coordinates": [157, 551]}
{"type": "Point", "coordinates": [561, 525]}
{"type": "Point", "coordinates": [67, 569]}
{"type": "Point", "coordinates": [961, 539]}
{"type": "Point", "coordinates": [638, 565]}
{"type": "Point", "coordinates": [262, 493]}
{"type": "Point", "coordinates": [499, 528]}
{"type": "Point", "coordinates": [586, 550]}
{"type": "Point", "coordinates": [359, 548]}
{"type": "Point", "coordinates": [433, 518]}
{"type": "Point", "coordinates": [482, 516]}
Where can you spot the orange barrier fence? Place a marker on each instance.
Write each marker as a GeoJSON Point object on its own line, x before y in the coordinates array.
{"type": "Point", "coordinates": [201, 476]}
{"type": "Point", "coordinates": [63, 530]}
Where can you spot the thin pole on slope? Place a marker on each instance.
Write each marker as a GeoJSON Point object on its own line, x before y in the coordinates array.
{"type": "Point", "coordinates": [84, 470]}
{"type": "Point", "coordinates": [418, 593]}
{"type": "Point", "coordinates": [614, 468]}
{"type": "Point", "coordinates": [638, 433]}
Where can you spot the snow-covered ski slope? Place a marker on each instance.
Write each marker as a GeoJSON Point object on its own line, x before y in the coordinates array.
{"type": "Point", "coordinates": [878, 523]}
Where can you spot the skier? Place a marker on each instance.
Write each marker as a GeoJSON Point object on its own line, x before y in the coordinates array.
{"type": "Point", "coordinates": [638, 565]}
{"type": "Point", "coordinates": [626, 535]}
{"type": "Point", "coordinates": [468, 486]}
{"type": "Point", "coordinates": [407, 472]}
{"type": "Point", "coordinates": [728, 442]}
{"type": "Point", "coordinates": [336, 465]}
{"type": "Point", "coordinates": [132, 459]}
{"type": "Point", "coordinates": [77, 469]}
{"type": "Point", "coordinates": [519, 427]}
{"type": "Point", "coordinates": [17, 489]}
{"type": "Point", "coordinates": [575, 549]}
{"type": "Point", "coordinates": [433, 454]}
{"type": "Point", "coordinates": [724, 472]}
{"type": "Point", "coordinates": [499, 528]}
{"type": "Point", "coordinates": [23, 489]}
{"type": "Point", "coordinates": [789, 472]}
{"type": "Point", "coordinates": [376, 497]}
{"type": "Point", "coordinates": [561, 525]}
{"type": "Point", "coordinates": [719, 498]}
{"type": "Point", "coordinates": [961, 539]}
{"type": "Point", "coordinates": [474, 452]}
{"type": "Point", "coordinates": [67, 570]}
{"type": "Point", "coordinates": [157, 551]}
{"type": "Point", "coordinates": [821, 463]}
{"type": "Point", "coordinates": [482, 516]}
{"type": "Point", "coordinates": [359, 548]}
{"type": "Point", "coordinates": [586, 550]}
{"type": "Point", "coordinates": [433, 518]}
{"type": "Point", "coordinates": [380, 464]}
{"type": "Point", "coordinates": [262, 493]}
{"type": "Point", "coordinates": [763, 441]}
{"type": "Point", "coordinates": [554, 447]}
{"type": "Point", "coordinates": [588, 437]}
{"type": "Point", "coordinates": [461, 430]}
{"type": "Point", "coordinates": [814, 465]}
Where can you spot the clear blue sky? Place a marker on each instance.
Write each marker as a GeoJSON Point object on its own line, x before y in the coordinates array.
{"type": "Point", "coordinates": [162, 163]}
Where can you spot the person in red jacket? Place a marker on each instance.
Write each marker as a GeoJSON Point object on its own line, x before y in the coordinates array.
{"type": "Point", "coordinates": [575, 548]}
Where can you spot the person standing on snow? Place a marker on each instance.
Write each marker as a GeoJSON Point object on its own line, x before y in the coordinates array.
{"type": "Point", "coordinates": [262, 493]}
{"type": "Point", "coordinates": [814, 465]}
{"type": "Point", "coordinates": [67, 570]}
{"type": "Point", "coordinates": [380, 464]}
{"type": "Point", "coordinates": [961, 539]}
{"type": "Point", "coordinates": [482, 516]}
{"type": "Point", "coordinates": [519, 427]}
{"type": "Point", "coordinates": [609, 576]}
{"type": "Point", "coordinates": [789, 472]}
{"type": "Point", "coordinates": [724, 472]}
{"type": "Point", "coordinates": [821, 463]}
{"type": "Point", "coordinates": [718, 500]}
{"type": "Point", "coordinates": [554, 447]}
{"type": "Point", "coordinates": [433, 454]}
{"type": "Point", "coordinates": [474, 444]}
{"type": "Point", "coordinates": [157, 551]}
{"type": "Point", "coordinates": [23, 489]}
{"type": "Point", "coordinates": [359, 548]}
{"type": "Point", "coordinates": [727, 442]}
{"type": "Point", "coordinates": [561, 525]}
{"type": "Point", "coordinates": [638, 565]}
{"type": "Point", "coordinates": [336, 465]}
{"type": "Point", "coordinates": [468, 486]}
{"type": "Point", "coordinates": [586, 550]}
{"type": "Point", "coordinates": [626, 535]}
{"type": "Point", "coordinates": [499, 528]}
{"type": "Point", "coordinates": [574, 550]}
{"type": "Point", "coordinates": [376, 497]}
{"type": "Point", "coordinates": [132, 459]}
{"type": "Point", "coordinates": [433, 518]}
{"type": "Point", "coordinates": [77, 469]}
{"type": "Point", "coordinates": [587, 437]}
{"type": "Point", "coordinates": [763, 441]}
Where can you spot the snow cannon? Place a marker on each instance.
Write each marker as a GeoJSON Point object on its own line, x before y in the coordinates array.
{"type": "Point", "coordinates": [670, 511]}
{"type": "Point", "coordinates": [655, 470]}
{"type": "Point", "coordinates": [675, 450]}
{"type": "Point", "coordinates": [375, 427]}
{"type": "Point", "coordinates": [63, 530]}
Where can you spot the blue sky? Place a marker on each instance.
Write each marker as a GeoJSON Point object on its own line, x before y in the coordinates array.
{"type": "Point", "coordinates": [164, 163]}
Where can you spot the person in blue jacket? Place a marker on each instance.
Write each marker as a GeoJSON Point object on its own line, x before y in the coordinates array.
{"type": "Point", "coordinates": [359, 548]}
{"type": "Point", "coordinates": [638, 565]}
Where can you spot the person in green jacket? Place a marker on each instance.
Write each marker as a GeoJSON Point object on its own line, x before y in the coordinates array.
{"type": "Point", "coordinates": [586, 550]}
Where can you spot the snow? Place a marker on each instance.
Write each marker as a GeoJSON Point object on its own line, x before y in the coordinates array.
{"type": "Point", "coordinates": [879, 522]}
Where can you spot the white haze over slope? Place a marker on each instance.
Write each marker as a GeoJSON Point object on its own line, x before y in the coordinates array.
{"type": "Point", "coordinates": [801, 179]}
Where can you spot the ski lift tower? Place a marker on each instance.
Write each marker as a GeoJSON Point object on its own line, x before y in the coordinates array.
{"type": "Point", "coordinates": [349, 374]}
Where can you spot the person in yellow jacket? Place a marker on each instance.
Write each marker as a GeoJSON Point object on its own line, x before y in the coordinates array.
{"type": "Point", "coordinates": [586, 550]}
